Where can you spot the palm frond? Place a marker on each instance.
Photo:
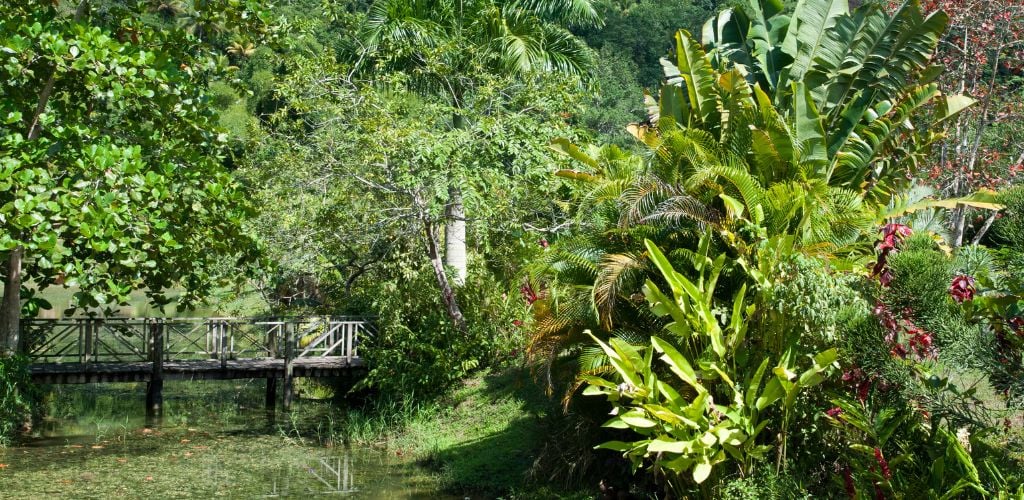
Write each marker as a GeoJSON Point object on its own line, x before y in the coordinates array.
{"type": "Point", "coordinates": [620, 273]}
{"type": "Point", "coordinates": [677, 211]}
{"type": "Point", "coordinates": [568, 12]}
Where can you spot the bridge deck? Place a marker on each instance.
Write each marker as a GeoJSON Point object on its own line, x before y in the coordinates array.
{"type": "Point", "coordinates": [142, 371]}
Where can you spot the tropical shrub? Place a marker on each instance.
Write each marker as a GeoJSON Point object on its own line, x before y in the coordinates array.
{"type": "Point", "coordinates": [915, 370]}
{"type": "Point", "coordinates": [1009, 229]}
{"type": "Point", "coordinates": [719, 399]}
{"type": "Point", "coordinates": [737, 143]}
{"type": "Point", "coordinates": [781, 145]}
{"type": "Point", "coordinates": [764, 485]}
{"type": "Point", "coordinates": [890, 452]}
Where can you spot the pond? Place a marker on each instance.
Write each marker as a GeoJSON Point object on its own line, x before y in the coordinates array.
{"type": "Point", "coordinates": [215, 440]}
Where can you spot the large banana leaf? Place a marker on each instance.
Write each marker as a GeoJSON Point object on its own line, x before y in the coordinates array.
{"type": "Point", "coordinates": [983, 199]}
{"type": "Point", "coordinates": [856, 153]}
{"type": "Point", "coordinates": [810, 132]}
{"type": "Point", "coordinates": [725, 37]}
{"type": "Point", "coordinates": [697, 78]}
{"type": "Point", "coordinates": [811, 36]}
{"type": "Point", "coordinates": [885, 53]}
{"type": "Point", "coordinates": [768, 26]}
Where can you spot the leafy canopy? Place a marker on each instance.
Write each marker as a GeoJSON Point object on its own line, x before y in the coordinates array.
{"type": "Point", "coordinates": [111, 174]}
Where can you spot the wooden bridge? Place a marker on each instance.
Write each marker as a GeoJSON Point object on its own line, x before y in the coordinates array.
{"type": "Point", "coordinates": [88, 350]}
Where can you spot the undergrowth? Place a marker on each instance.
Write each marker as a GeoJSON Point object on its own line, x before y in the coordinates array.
{"type": "Point", "coordinates": [16, 395]}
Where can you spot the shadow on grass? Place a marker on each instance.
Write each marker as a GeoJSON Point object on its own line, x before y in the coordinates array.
{"type": "Point", "coordinates": [509, 424]}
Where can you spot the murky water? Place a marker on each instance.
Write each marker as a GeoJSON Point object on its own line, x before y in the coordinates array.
{"type": "Point", "coordinates": [215, 441]}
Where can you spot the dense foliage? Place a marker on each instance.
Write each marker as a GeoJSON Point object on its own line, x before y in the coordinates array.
{"type": "Point", "coordinates": [112, 163]}
{"type": "Point", "coordinates": [781, 268]}
{"type": "Point", "coordinates": [16, 397]}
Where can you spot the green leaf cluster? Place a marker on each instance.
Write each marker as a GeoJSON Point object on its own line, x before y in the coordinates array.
{"type": "Point", "coordinates": [111, 171]}
{"type": "Point", "coordinates": [715, 403]}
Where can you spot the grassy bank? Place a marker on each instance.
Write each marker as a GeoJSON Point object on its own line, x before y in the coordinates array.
{"type": "Point", "coordinates": [485, 438]}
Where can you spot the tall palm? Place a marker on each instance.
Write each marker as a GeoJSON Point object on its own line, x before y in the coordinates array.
{"type": "Point", "coordinates": [446, 45]}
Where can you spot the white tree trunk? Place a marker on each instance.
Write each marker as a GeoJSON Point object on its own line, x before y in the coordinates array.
{"type": "Point", "coordinates": [455, 237]}
{"type": "Point", "coordinates": [451, 302]}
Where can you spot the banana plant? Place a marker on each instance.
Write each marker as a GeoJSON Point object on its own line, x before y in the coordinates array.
{"type": "Point", "coordinates": [700, 405]}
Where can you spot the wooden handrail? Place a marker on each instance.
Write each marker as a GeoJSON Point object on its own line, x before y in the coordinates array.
{"type": "Point", "coordinates": [99, 340]}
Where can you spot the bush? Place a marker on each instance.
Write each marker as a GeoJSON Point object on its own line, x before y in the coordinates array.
{"type": "Point", "coordinates": [921, 275]}
{"type": "Point", "coordinates": [808, 296]}
{"type": "Point", "coordinates": [419, 352]}
{"type": "Point", "coordinates": [16, 392]}
{"type": "Point", "coordinates": [1009, 229]}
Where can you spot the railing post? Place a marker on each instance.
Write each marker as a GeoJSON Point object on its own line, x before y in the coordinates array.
{"type": "Point", "coordinates": [271, 380]}
{"type": "Point", "coordinates": [349, 328]}
{"type": "Point", "coordinates": [87, 333]}
{"type": "Point", "coordinates": [289, 354]}
{"type": "Point", "coordinates": [225, 347]}
{"type": "Point", "coordinates": [155, 388]}
{"type": "Point", "coordinates": [355, 341]}
{"type": "Point", "coordinates": [211, 339]}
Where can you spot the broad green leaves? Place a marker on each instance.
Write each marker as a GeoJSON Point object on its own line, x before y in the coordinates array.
{"type": "Point", "coordinates": [846, 86]}
{"type": "Point", "coordinates": [712, 410]}
{"type": "Point", "coordinates": [120, 183]}
{"type": "Point", "coordinates": [693, 73]}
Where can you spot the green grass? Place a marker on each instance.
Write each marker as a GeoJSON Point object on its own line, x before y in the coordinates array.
{"type": "Point", "coordinates": [484, 438]}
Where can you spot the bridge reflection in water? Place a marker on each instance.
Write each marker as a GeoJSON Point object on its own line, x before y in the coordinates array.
{"type": "Point", "coordinates": [91, 350]}
{"type": "Point", "coordinates": [331, 475]}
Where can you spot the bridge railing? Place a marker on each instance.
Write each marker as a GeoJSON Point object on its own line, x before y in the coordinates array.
{"type": "Point", "coordinates": [123, 340]}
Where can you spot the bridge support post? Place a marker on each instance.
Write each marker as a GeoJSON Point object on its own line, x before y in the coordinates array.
{"type": "Point", "coordinates": [155, 388]}
{"type": "Point", "coordinates": [271, 393]}
{"type": "Point", "coordinates": [289, 354]}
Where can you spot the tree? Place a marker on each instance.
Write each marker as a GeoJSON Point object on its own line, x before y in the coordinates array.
{"type": "Point", "coordinates": [350, 182]}
{"type": "Point", "coordinates": [356, 173]}
{"type": "Point", "coordinates": [634, 36]}
{"type": "Point", "coordinates": [981, 51]}
{"type": "Point", "coordinates": [111, 175]}
{"type": "Point", "coordinates": [446, 48]}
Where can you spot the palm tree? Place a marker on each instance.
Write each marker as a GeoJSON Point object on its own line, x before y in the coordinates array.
{"type": "Point", "coordinates": [447, 46]}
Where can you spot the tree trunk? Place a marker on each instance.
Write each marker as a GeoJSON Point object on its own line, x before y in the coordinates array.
{"type": "Point", "coordinates": [959, 224]}
{"type": "Point", "coordinates": [960, 220]}
{"type": "Point", "coordinates": [447, 294]}
{"type": "Point", "coordinates": [10, 309]}
{"type": "Point", "coordinates": [455, 228]}
{"type": "Point", "coordinates": [984, 229]}
{"type": "Point", "coordinates": [455, 236]}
